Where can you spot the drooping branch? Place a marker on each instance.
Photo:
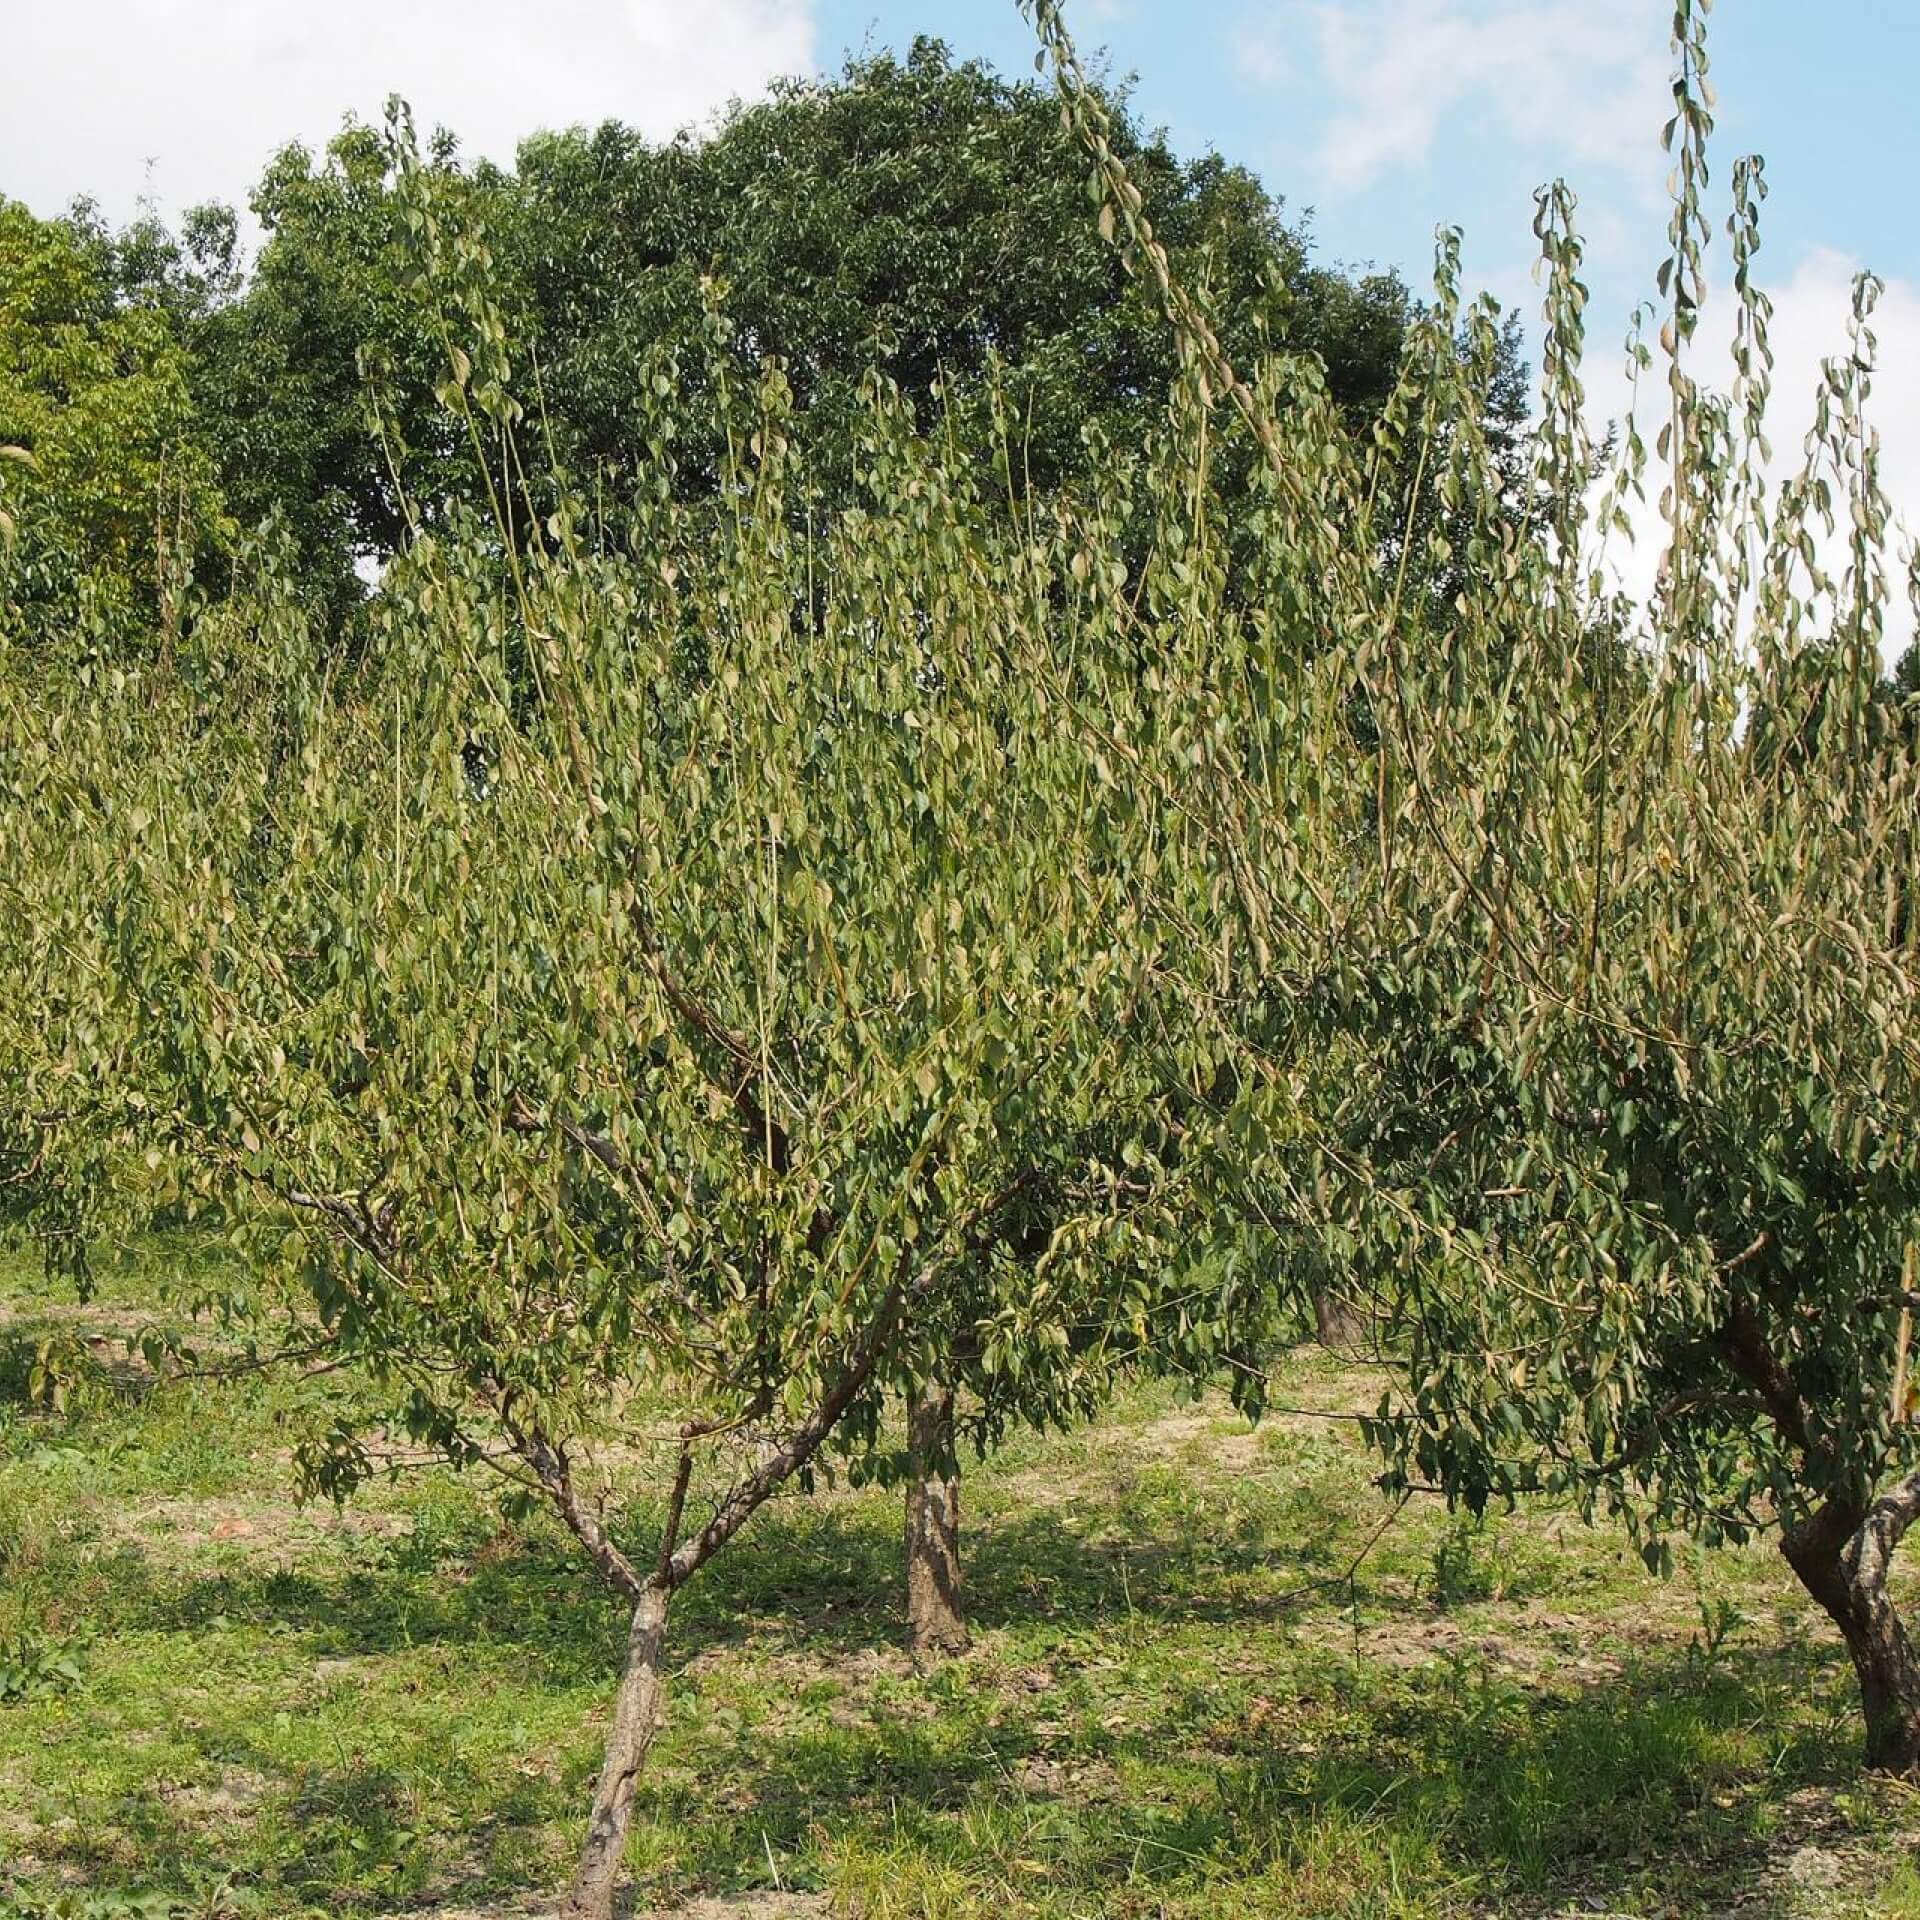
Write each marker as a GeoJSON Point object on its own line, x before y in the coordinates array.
{"type": "Point", "coordinates": [749, 1093]}
{"type": "Point", "coordinates": [352, 1219]}
{"type": "Point", "coordinates": [522, 1119]}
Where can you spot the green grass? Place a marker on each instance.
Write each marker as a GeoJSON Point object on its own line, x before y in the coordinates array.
{"type": "Point", "coordinates": [1180, 1705]}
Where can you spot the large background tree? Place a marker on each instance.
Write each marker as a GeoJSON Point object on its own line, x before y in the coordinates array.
{"type": "Point", "coordinates": [108, 485]}
{"type": "Point", "coordinates": [332, 314]}
{"type": "Point", "coordinates": [928, 218]}
{"type": "Point", "coordinates": [920, 217]}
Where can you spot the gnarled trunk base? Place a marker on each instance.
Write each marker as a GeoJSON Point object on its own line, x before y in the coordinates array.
{"type": "Point", "coordinates": [1841, 1556]}
{"type": "Point", "coordinates": [936, 1624]}
{"type": "Point", "coordinates": [636, 1714]}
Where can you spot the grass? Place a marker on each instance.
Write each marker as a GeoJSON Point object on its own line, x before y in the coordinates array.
{"type": "Point", "coordinates": [1180, 1704]}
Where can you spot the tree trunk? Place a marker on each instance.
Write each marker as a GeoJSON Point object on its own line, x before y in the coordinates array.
{"type": "Point", "coordinates": [1336, 1320]}
{"type": "Point", "coordinates": [936, 1625]}
{"type": "Point", "coordinates": [1841, 1556]}
{"type": "Point", "coordinates": [636, 1713]}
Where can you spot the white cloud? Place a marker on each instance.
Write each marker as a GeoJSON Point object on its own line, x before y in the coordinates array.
{"type": "Point", "coordinates": [1586, 77]}
{"type": "Point", "coordinates": [1811, 311]}
{"type": "Point", "coordinates": [207, 89]}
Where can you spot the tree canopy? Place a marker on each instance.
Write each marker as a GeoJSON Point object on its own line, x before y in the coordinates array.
{"type": "Point", "coordinates": [108, 488]}
{"type": "Point", "coordinates": [927, 218]}
{"type": "Point", "coordinates": [1573, 1006]}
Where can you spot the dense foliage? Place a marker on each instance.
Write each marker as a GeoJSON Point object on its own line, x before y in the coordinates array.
{"type": "Point", "coordinates": [751, 931]}
{"type": "Point", "coordinates": [108, 490]}
{"type": "Point", "coordinates": [1605, 935]}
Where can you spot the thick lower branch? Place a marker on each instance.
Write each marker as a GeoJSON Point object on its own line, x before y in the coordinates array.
{"type": "Point", "coordinates": [1744, 1346]}
{"type": "Point", "coordinates": [555, 1474]}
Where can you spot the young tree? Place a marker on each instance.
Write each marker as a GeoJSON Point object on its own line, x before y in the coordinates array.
{"type": "Point", "coordinates": [1589, 954]}
{"type": "Point", "coordinates": [674, 993]}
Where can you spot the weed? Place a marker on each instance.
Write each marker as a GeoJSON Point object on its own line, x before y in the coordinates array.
{"type": "Point", "coordinates": [32, 1669]}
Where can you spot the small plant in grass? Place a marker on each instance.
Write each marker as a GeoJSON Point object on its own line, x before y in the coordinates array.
{"type": "Point", "coordinates": [1461, 1570]}
{"type": "Point", "coordinates": [31, 1669]}
{"type": "Point", "coordinates": [1721, 1620]}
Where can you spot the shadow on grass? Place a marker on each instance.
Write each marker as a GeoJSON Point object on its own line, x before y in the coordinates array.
{"type": "Point", "coordinates": [1448, 1772]}
{"type": "Point", "coordinates": [1465, 1786]}
{"type": "Point", "coordinates": [17, 1349]}
{"type": "Point", "coordinates": [1642, 1782]}
{"type": "Point", "coordinates": [826, 1576]}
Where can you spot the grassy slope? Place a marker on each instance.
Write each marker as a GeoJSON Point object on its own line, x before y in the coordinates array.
{"type": "Point", "coordinates": [285, 1712]}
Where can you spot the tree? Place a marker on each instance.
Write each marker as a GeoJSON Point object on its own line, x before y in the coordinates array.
{"type": "Point", "coordinates": [643, 992]}
{"type": "Point", "coordinates": [903, 191]}
{"type": "Point", "coordinates": [1595, 973]}
{"type": "Point", "coordinates": [929, 218]}
{"type": "Point", "coordinates": [108, 499]}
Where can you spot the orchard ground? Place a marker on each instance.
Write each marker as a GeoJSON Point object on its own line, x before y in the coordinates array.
{"type": "Point", "coordinates": [1196, 1690]}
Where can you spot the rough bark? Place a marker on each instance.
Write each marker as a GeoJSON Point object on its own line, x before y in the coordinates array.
{"type": "Point", "coordinates": [1841, 1556]}
{"type": "Point", "coordinates": [636, 1714]}
{"type": "Point", "coordinates": [936, 1624]}
{"type": "Point", "coordinates": [1336, 1320]}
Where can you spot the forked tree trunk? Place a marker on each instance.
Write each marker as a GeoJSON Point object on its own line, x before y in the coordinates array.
{"type": "Point", "coordinates": [936, 1625]}
{"type": "Point", "coordinates": [636, 1714]}
{"type": "Point", "coordinates": [1842, 1557]}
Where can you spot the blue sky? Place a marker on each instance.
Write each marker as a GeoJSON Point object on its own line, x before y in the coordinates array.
{"type": "Point", "coordinates": [1389, 117]}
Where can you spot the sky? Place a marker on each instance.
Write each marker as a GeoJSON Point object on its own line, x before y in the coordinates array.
{"type": "Point", "coordinates": [1383, 118]}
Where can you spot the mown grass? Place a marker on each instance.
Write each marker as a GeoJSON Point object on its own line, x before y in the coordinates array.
{"type": "Point", "coordinates": [1186, 1700]}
